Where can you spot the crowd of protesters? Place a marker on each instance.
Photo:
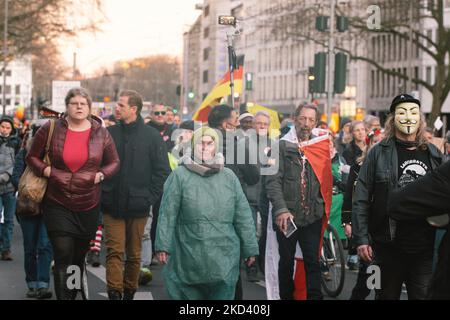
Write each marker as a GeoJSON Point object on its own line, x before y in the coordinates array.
{"type": "Point", "coordinates": [197, 199]}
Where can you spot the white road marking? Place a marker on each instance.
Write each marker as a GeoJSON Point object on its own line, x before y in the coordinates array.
{"type": "Point", "coordinates": [100, 272]}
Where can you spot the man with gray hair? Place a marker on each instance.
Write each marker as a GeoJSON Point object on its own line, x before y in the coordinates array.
{"type": "Point", "coordinates": [372, 122]}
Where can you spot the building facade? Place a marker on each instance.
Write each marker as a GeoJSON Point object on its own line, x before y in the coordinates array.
{"type": "Point", "coordinates": [19, 84]}
{"type": "Point", "coordinates": [278, 66]}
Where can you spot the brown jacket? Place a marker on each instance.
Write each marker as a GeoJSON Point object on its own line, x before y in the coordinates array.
{"type": "Point", "coordinates": [74, 191]}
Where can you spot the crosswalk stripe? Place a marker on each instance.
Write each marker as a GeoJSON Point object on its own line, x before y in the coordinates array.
{"type": "Point", "coordinates": [137, 296]}
{"type": "Point", "coordinates": [100, 272]}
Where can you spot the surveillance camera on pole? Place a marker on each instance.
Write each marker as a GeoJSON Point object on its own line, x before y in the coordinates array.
{"type": "Point", "coordinates": [232, 22]}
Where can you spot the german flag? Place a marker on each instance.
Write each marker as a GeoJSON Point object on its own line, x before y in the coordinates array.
{"type": "Point", "coordinates": [220, 90]}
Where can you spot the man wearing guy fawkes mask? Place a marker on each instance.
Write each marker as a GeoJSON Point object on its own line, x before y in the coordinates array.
{"type": "Point", "coordinates": [402, 250]}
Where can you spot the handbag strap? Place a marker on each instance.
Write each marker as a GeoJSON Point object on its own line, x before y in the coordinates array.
{"type": "Point", "coordinates": [50, 136]}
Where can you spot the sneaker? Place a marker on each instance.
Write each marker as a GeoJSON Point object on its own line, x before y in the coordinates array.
{"type": "Point", "coordinates": [43, 293]}
{"type": "Point", "coordinates": [145, 276]}
{"type": "Point", "coordinates": [32, 293]}
{"type": "Point", "coordinates": [6, 256]}
{"type": "Point", "coordinates": [95, 259]}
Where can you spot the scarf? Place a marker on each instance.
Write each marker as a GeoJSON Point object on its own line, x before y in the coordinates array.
{"type": "Point", "coordinates": [204, 169]}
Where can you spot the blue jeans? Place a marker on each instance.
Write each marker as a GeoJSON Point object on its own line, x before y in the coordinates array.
{"type": "Point", "coordinates": [146, 250]}
{"type": "Point", "coordinates": [8, 205]}
{"type": "Point", "coordinates": [38, 252]}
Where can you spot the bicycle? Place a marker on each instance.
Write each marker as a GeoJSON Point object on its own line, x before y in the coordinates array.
{"type": "Point", "coordinates": [332, 262]}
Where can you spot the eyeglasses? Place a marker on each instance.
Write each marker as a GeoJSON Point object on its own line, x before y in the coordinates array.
{"type": "Point", "coordinates": [159, 113]}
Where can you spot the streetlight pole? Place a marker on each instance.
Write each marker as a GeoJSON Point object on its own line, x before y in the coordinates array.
{"type": "Point", "coordinates": [331, 61]}
{"type": "Point", "coordinates": [410, 53]}
{"type": "Point", "coordinates": [5, 54]}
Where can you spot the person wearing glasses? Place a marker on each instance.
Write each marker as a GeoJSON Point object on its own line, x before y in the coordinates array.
{"type": "Point", "coordinates": [159, 122]}
{"type": "Point", "coordinates": [82, 155]}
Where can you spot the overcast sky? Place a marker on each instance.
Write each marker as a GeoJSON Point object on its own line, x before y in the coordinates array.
{"type": "Point", "coordinates": [134, 28]}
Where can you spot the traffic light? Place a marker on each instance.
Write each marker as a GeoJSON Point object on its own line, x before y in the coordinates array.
{"type": "Point", "coordinates": [178, 90]}
{"type": "Point", "coordinates": [249, 81]}
{"type": "Point", "coordinates": [320, 61]}
{"type": "Point", "coordinates": [340, 72]}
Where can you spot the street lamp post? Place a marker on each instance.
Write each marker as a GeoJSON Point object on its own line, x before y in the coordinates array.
{"type": "Point", "coordinates": [331, 61]}
{"type": "Point", "coordinates": [5, 54]}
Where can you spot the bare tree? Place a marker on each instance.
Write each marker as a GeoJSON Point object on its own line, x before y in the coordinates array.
{"type": "Point", "coordinates": [295, 20]}
{"type": "Point", "coordinates": [36, 27]}
{"type": "Point", "coordinates": [32, 23]}
{"type": "Point", "coordinates": [155, 77]}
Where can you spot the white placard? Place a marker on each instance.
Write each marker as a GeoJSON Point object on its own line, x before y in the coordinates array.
{"type": "Point", "coordinates": [59, 92]}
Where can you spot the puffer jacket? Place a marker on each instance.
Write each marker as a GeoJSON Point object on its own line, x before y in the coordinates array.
{"type": "Point", "coordinates": [74, 191]}
{"type": "Point", "coordinates": [378, 178]}
{"type": "Point", "coordinates": [8, 149]}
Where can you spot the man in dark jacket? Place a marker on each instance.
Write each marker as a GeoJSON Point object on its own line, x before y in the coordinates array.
{"type": "Point", "coordinates": [422, 199]}
{"type": "Point", "coordinates": [404, 250]}
{"type": "Point", "coordinates": [295, 195]}
{"type": "Point", "coordinates": [9, 146]}
{"type": "Point", "coordinates": [127, 198]}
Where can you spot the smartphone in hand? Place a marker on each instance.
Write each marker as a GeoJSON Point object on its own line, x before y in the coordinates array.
{"type": "Point", "coordinates": [291, 228]}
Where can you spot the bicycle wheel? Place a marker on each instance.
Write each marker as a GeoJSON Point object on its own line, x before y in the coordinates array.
{"type": "Point", "coordinates": [332, 261]}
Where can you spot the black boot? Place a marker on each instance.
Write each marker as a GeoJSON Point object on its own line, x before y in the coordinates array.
{"type": "Point", "coordinates": [114, 295]}
{"type": "Point", "coordinates": [128, 294]}
{"type": "Point", "coordinates": [60, 277]}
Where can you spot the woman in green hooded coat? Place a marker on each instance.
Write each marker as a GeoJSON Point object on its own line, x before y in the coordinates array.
{"type": "Point", "coordinates": [205, 225]}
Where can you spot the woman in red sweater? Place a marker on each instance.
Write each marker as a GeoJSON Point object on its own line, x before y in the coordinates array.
{"type": "Point", "coordinates": [82, 155]}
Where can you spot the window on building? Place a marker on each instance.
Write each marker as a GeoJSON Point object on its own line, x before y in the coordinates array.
{"type": "Point", "coordinates": [429, 36]}
{"type": "Point", "coordinates": [8, 89]}
{"type": "Point", "coordinates": [388, 80]}
{"type": "Point", "coordinates": [377, 92]}
{"type": "Point", "coordinates": [204, 96]}
{"type": "Point", "coordinates": [428, 75]}
{"type": "Point", "coordinates": [205, 76]}
{"type": "Point", "coordinates": [205, 54]}
{"type": "Point", "coordinates": [416, 76]}
{"type": "Point", "coordinates": [394, 48]}
{"type": "Point", "coordinates": [18, 89]}
{"type": "Point", "coordinates": [8, 73]}
{"type": "Point", "coordinates": [373, 48]}
{"type": "Point", "coordinates": [206, 11]}
{"type": "Point", "coordinates": [394, 84]}
{"type": "Point", "coordinates": [372, 91]}
{"type": "Point", "coordinates": [8, 102]}
{"type": "Point", "coordinates": [206, 32]}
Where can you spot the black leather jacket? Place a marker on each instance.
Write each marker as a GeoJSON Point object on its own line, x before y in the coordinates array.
{"type": "Point", "coordinates": [377, 178]}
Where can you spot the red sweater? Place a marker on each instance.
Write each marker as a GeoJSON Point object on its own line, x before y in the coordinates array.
{"type": "Point", "coordinates": [76, 149]}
